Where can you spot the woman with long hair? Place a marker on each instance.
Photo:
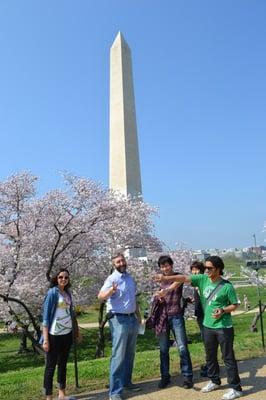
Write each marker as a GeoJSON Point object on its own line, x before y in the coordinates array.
{"type": "Point", "coordinates": [58, 332]}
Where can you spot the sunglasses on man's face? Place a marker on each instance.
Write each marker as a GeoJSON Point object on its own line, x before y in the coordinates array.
{"type": "Point", "coordinates": [63, 277]}
{"type": "Point", "coordinates": [209, 268]}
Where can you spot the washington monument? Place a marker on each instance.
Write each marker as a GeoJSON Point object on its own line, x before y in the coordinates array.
{"type": "Point", "coordinates": [124, 168]}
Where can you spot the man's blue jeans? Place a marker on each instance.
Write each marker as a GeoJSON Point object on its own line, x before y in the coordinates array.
{"type": "Point", "coordinates": [124, 330]}
{"type": "Point", "coordinates": [176, 324]}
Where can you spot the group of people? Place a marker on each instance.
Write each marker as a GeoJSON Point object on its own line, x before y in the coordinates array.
{"type": "Point", "coordinates": [214, 299]}
{"type": "Point", "coordinates": [218, 300]}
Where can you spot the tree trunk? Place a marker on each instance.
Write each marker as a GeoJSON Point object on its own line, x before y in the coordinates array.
{"type": "Point", "coordinates": [253, 327]}
{"type": "Point", "coordinates": [30, 315]}
{"type": "Point", "coordinates": [23, 342]}
{"type": "Point", "coordinates": [25, 333]}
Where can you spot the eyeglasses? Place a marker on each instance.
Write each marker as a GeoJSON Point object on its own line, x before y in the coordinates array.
{"type": "Point", "coordinates": [209, 268]}
{"type": "Point", "coordinates": [63, 277]}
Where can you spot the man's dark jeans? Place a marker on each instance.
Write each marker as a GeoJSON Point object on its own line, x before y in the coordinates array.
{"type": "Point", "coordinates": [177, 325]}
{"type": "Point", "coordinates": [225, 338]}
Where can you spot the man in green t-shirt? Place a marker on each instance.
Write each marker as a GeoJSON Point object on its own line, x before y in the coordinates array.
{"type": "Point", "coordinates": [218, 299]}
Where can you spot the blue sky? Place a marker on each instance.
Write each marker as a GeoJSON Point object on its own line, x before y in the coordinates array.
{"type": "Point", "coordinates": [200, 88]}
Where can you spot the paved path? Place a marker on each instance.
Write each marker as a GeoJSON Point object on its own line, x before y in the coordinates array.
{"type": "Point", "coordinates": [252, 373]}
{"type": "Point", "coordinates": [86, 325]}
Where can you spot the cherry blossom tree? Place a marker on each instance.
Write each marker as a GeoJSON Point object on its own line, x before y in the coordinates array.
{"type": "Point", "coordinates": [76, 228]}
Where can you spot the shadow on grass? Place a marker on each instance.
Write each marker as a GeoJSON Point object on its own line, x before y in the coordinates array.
{"type": "Point", "coordinates": [11, 360]}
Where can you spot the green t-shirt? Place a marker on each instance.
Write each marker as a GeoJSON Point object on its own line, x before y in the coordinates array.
{"type": "Point", "coordinates": [225, 296]}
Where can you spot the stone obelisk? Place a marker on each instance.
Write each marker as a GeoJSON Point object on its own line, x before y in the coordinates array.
{"type": "Point", "coordinates": [124, 168]}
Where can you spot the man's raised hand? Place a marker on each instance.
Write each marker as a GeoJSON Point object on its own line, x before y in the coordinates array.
{"type": "Point", "coordinates": [158, 277]}
{"type": "Point", "coordinates": [114, 287]}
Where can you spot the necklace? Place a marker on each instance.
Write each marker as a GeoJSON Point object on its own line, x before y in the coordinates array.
{"type": "Point", "coordinates": [65, 296]}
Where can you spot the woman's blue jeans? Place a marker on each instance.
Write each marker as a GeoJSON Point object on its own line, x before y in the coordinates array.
{"type": "Point", "coordinates": [176, 324]}
{"type": "Point", "coordinates": [124, 330]}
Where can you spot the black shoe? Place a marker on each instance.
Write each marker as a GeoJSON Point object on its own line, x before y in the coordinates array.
{"type": "Point", "coordinates": [188, 384]}
{"type": "Point", "coordinates": [163, 383]}
{"type": "Point", "coordinates": [133, 387]}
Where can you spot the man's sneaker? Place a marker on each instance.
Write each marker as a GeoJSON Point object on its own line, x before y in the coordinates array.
{"type": "Point", "coordinates": [210, 387]}
{"type": "Point", "coordinates": [188, 383]}
{"type": "Point", "coordinates": [133, 387]}
{"type": "Point", "coordinates": [232, 394]}
{"type": "Point", "coordinates": [163, 383]}
{"type": "Point", "coordinates": [115, 397]}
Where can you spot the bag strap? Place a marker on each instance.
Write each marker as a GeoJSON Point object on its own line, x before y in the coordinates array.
{"type": "Point", "coordinates": [214, 291]}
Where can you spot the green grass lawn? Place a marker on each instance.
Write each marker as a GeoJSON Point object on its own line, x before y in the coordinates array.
{"type": "Point", "coordinates": [87, 314]}
{"type": "Point", "coordinates": [252, 294]}
{"type": "Point", "coordinates": [21, 375]}
{"type": "Point", "coordinates": [233, 264]}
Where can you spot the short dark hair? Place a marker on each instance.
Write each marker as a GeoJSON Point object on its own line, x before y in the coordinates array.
{"type": "Point", "coordinates": [165, 260]}
{"type": "Point", "coordinates": [217, 262]}
{"type": "Point", "coordinates": [54, 280]}
{"type": "Point", "coordinates": [199, 265]}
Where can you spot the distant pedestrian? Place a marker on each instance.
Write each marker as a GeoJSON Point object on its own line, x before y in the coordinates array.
{"type": "Point", "coordinates": [246, 302]}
